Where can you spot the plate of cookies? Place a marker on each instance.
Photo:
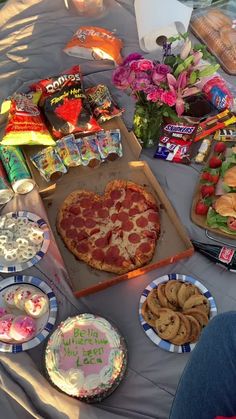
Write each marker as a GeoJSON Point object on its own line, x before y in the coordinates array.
{"type": "Point", "coordinates": [28, 309]}
{"type": "Point", "coordinates": [24, 240]}
{"type": "Point", "coordinates": [174, 309]}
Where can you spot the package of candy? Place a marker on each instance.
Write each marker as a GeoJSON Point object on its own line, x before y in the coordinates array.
{"type": "Point", "coordinates": [109, 144]}
{"type": "Point", "coordinates": [101, 103]}
{"type": "Point", "coordinates": [89, 152]}
{"type": "Point", "coordinates": [218, 93]}
{"type": "Point", "coordinates": [68, 151]}
{"type": "Point", "coordinates": [25, 123]}
{"type": "Point", "coordinates": [65, 105]}
{"type": "Point", "coordinates": [215, 123]}
{"type": "Point", "coordinates": [92, 42]}
{"type": "Point", "coordinates": [49, 164]}
{"type": "Point", "coordinates": [175, 143]}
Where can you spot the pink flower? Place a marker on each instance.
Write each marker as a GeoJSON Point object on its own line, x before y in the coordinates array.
{"type": "Point", "coordinates": [145, 65]}
{"type": "Point", "coordinates": [160, 73]}
{"type": "Point", "coordinates": [179, 106]}
{"type": "Point", "coordinates": [134, 65]}
{"type": "Point", "coordinates": [121, 77]}
{"type": "Point", "coordinates": [132, 57]}
{"type": "Point", "coordinates": [140, 84]}
{"type": "Point", "coordinates": [168, 97]}
{"type": "Point", "coordinates": [154, 93]}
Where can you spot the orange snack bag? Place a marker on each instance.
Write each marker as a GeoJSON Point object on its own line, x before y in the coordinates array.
{"type": "Point", "coordinates": [92, 42]}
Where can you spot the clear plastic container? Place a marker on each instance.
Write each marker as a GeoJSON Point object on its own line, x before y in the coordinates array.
{"type": "Point", "coordinates": [216, 27]}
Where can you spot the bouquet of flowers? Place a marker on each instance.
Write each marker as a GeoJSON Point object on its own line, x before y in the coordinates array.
{"type": "Point", "coordinates": [160, 89]}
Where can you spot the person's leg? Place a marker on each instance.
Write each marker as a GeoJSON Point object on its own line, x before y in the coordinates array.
{"type": "Point", "coordinates": [207, 387]}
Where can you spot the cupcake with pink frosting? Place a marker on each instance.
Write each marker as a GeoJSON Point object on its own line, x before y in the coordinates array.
{"type": "Point", "coordinates": [23, 328]}
{"type": "Point", "coordinates": [36, 305]}
{"type": "Point", "coordinates": [5, 327]}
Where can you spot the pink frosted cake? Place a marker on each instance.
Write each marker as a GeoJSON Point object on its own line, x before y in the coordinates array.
{"type": "Point", "coordinates": [86, 357]}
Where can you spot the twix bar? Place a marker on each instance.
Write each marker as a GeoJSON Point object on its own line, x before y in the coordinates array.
{"type": "Point", "coordinates": [212, 124]}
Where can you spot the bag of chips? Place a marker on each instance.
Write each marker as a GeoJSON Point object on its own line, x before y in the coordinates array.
{"type": "Point", "coordinates": [92, 42]}
{"type": "Point", "coordinates": [25, 123]}
{"type": "Point", "coordinates": [65, 105]}
{"type": "Point", "coordinates": [101, 103]}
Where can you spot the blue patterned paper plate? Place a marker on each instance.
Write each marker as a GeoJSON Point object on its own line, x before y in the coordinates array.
{"type": "Point", "coordinates": [10, 267]}
{"type": "Point", "coordinates": [44, 324]}
{"type": "Point", "coordinates": [151, 333]}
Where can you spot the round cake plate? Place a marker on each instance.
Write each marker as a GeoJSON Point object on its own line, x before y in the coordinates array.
{"type": "Point", "coordinates": [151, 333]}
{"type": "Point", "coordinates": [44, 324]}
{"type": "Point", "coordinates": [21, 266]}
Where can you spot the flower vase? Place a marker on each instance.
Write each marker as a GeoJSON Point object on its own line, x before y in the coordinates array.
{"type": "Point", "coordinates": [147, 124]}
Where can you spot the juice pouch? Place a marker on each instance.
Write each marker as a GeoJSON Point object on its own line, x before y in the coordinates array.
{"type": "Point", "coordinates": [65, 105]}
{"type": "Point", "coordinates": [25, 123]}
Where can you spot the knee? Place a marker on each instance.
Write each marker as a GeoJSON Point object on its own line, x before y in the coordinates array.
{"type": "Point", "coordinates": [224, 323]}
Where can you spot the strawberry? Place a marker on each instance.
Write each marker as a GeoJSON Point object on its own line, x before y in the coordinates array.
{"type": "Point", "coordinates": [214, 178]}
{"type": "Point", "coordinates": [207, 190]}
{"type": "Point", "coordinates": [214, 162]}
{"type": "Point", "coordinates": [201, 207]}
{"type": "Point", "coordinates": [220, 147]}
{"type": "Point", "coordinates": [206, 176]}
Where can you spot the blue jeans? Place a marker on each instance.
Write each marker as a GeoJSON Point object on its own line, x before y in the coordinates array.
{"type": "Point", "coordinates": [207, 387]}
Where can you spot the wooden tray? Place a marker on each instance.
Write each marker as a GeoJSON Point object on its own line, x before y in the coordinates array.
{"type": "Point", "coordinates": [173, 244]}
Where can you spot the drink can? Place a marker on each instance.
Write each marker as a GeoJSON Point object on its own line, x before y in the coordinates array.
{"type": "Point", "coordinates": [6, 193]}
{"type": "Point", "coordinates": [17, 170]}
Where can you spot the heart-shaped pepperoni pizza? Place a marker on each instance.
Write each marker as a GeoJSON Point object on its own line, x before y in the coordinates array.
{"type": "Point", "coordinates": [116, 232]}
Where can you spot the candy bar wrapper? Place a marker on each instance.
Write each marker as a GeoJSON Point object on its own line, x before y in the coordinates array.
{"type": "Point", "coordinates": [217, 122]}
{"type": "Point", "coordinates": [68, 151]}
{"type": "Point", "coordinates": [101, 103]}
{"type": "Point", "coordinates": [89, 152]}
{"type": "Point", "coordinates": [175, 143]}
{"type": "Point", "coordinates": [49, 164]}
{"type": "Point", "coordinates": [226, 134]}
{"type": "Point", "coordinates": [109, 144]}
{"type": "Point", "coordinates": [203, 151]}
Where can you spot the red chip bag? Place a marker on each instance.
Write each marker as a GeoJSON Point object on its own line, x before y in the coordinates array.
{"type": "Point", "coordinates": [65, 105]}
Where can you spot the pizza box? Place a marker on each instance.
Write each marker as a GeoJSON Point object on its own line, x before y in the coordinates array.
{"type": "Point", "coordinates": [172, 245]}
{"type": "Point", "coordinates": [131, 151]}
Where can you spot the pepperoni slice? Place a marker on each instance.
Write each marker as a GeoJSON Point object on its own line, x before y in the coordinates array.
{"type": "Point", "coordinates": [82, 247]}
{"type": "Point", "coordinates": [127, 226]}
{"type": "Point", "coordinates": [153, 217]}
{"type": "Point", "coordinates": [103, 213]}
{"type": "Point", "coordinates": [85, 203]}
{"type": "Point", "coordinates": [74, 209]}
{"type": "Point", "coordinates": [123, 216]}
{"type": "Point", "coordinates": [142, 222]}
{"type": "Point", "coordinates": [96, 205]}
{"type": "Point", "coordinates": [128, 194]}
{"type": "Point", "coordinates": [150, 234]}
{"type": "Point", "coordinates": [114, 217]}
{"type": "Point", "coordinates": [90, 223]}
{"type": "Point", "coordinates": [66, 223]}
{"type": "Point", "coordinates": [71, 234]}
{"type": "Point", "coordinates": [108, 203]}
{"type": "Point", "coordinates": [134, 238]}
{"type": "Point", "coordinates": [145, 248]}
{"type": "Point", "coordinates": [118, 206]}
{"type": "Point", "coordinates": [127, 203]}
{"type": "Point", "coordinates": [116, 194]}
{"type": "Point", "coordinates": [88, 213]}
{"type": "Point", "coordinates": [82, 235]}
{"type": "Point", "coordinates": [98, 254]}
{"type": "Point", "coordinates": [94, 231]}
{"type": "Point", "coordinates": [78, 222]}
{"type": "Point", "coordinates": [137, 197]}
{"type": "Point", "coordinates": [120, 261]}
{"type": "Point", "coordinates": [102, 242]}
{"type": "Point", "coordinates": [112, 255]}
{"type": "Point", "coordinates": [134, 211]}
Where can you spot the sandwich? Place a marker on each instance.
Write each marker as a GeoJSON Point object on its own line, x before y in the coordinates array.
{"type": "Point", "coordinates": [222, 214]}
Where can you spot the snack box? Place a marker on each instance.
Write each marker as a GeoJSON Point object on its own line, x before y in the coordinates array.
{"type": "Point", "coordinates": [215, 26]}
{"type": "Point", "coordinates": [172, 245]}
{"type": "Point", "coordinates": [131, 151]}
